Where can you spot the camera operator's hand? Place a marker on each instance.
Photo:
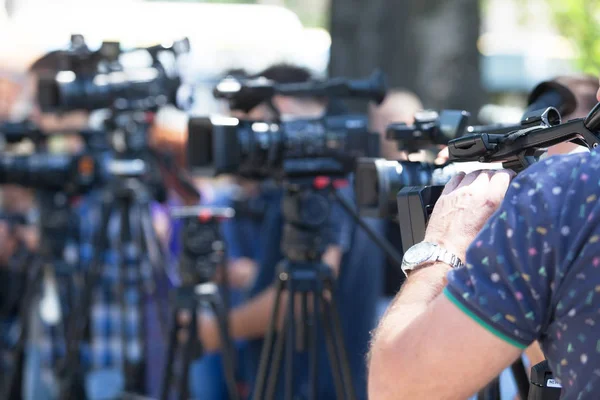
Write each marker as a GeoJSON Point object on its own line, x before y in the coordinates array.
{"type": "Point", "coordinates": [242, 272]}
{"type": "Point", "coordinates": [465, 206]}
{"type": "Point", "coordinates": [442, 157]}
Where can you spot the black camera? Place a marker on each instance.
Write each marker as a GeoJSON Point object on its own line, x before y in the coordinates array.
{"type": "Point", "coordinates": [286, 148]}
{"type": "Point", "coordinates": [378, 181]}
{"type": "Point", "coordinates": [203, 245]}
{"type": "Point", "coordinates": [430, 129]}
{"type": "Point", "coordinates": [52, 172]}
{"type": "Point", "coordinates": [91, 80]}
{"type": "Point", "coordinates": [256, 149]}
{"type": "Point", "coordinates": [516, 148]}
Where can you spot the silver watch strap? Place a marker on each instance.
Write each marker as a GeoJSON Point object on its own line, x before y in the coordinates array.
{"type": "Point", "coordinates": [449, 258]}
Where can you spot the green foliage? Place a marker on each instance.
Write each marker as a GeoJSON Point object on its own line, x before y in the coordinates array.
{"type": "Point", "coordinates": [579, 21]}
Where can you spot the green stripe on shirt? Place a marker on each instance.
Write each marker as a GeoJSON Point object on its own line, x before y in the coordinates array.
{"type": "Point", "coordinates": [481, 322]}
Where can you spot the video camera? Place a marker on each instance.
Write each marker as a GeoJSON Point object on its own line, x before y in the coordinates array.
{"type": "Point", "coordinates": [429, 129]}
{"type": "Point", "coordinates": [516, 149]}
{"type": "Point", "coordinates": [327, 146]}
{"type": "Point", "coordinates": [72, 174]}
{"type": "Point", "coordinates": [92, 80]}
{"type": "Point", "coordinates": [378, 181]}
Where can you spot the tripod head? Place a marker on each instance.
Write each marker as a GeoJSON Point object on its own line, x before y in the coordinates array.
{"type": "Point", "coordinates": [306, 206]}
{"type": "Point", "coordinates": [203, 245]}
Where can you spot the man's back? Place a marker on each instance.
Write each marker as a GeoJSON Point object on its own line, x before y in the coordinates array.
{"type": "Point", "coordinates": [542, 280]}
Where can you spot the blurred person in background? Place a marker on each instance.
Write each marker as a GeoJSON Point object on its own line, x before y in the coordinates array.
{"type": "Point", "coordinates": [357, 263]}
{"type": "Point", "coordinates": [398, 106]}
{"type": "Point", "coordinates": [103, 351]}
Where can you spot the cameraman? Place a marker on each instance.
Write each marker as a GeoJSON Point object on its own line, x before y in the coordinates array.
{"type": "Point", "coordinates": [529, 274]}
{"type": "Point", "coordinates": [103, 351]}
{"type": "Point", "coordinates": [356, 262]}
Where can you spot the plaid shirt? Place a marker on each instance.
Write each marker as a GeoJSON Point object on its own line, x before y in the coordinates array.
{"type": "Point", "coordinates": [110, 312]}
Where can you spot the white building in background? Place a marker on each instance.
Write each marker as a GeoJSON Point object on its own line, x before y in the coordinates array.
{"type": "Point", "coordinates": [520, 47]}
{"type": "Point", "coordinates": [222, 36]}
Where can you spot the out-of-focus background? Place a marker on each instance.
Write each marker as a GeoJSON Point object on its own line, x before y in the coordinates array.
{"type": "Point", "coordinates": [451, 53]}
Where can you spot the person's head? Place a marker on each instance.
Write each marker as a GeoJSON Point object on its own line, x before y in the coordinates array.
{"type": "Point", "coordinates": [288, 107]}
{"type": "Point", "coordinates": [399, 106]}
{"type": "Point", "coordinates": [584, 88]}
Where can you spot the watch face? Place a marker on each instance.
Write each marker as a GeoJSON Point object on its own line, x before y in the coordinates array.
{"type": "Point", "coordinates": [419, 253]}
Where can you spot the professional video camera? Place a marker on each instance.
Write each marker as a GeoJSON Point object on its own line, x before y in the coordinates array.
{"type": "Point", "coordinates": [72, 174]}
{"type": "Point", "coordinates": [429, 129]}
{"type": "Point", "coordinates": [378, 181]}
{"type": "Point", "coordinates": [328, 145]}
{"type": "Point", "coordinates": [92, 80]}
{"type": "Point", "coordinates": [516, 149]}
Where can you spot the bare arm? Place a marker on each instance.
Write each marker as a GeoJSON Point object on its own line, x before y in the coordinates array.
{"type": "Point", "coordinates": [426, 346]}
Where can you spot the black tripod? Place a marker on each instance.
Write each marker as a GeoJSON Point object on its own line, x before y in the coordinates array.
{"type": "Point", "coordinates": [130, 197]}
{"type": "Point", "coordinates": [203, 253]}
{"type": "Point", "coordinates": [304, 276]}
{"type": "Point", "coordinates": [55, 225]}
{"type": "Point", "coordinates": [31, 267]}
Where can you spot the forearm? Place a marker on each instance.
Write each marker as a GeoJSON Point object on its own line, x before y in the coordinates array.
{"type": "Point", "coordinates": [251, 320]}
{"type": "Point", "coordinates": [421, 288]}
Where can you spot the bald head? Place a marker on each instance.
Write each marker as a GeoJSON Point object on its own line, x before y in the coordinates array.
{"type": "Point", "coordinates": [399, 106]}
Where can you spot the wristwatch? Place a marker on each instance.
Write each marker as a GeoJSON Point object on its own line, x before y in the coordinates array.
{"type": "Point", "coordinates": [425, 253]}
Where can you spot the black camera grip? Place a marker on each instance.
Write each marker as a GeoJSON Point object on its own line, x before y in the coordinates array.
{"type": "Point", "coordinates": [592, 121]}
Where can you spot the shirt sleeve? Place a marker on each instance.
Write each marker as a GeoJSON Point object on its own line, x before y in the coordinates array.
{"type": "Point", "coordinates": [512, 266]}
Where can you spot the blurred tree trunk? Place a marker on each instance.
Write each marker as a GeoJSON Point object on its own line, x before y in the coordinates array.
{"type": "Point", "coordinates": [426, 46]}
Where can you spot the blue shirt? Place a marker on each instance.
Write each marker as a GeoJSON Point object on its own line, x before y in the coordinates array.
{"type": "Point", "coordinates": [357, 292]}
{"type": "Point", "coordinates": [533, 273]}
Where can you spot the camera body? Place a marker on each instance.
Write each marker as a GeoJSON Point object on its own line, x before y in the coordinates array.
{"type": "Point", "coordinates": [429, 129]}
{"type": "Point", "coordinates": [327, 146]}
{"type": "Point", "coordinates": [92, 80]}
{"type": "Point", "coordinates": [378, 181]}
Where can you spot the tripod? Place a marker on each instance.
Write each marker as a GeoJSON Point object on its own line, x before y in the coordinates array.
{"type": "Point", "coordinates": [130, 197]}
{"type": "Point", "coordinates": [55, 224]}
{"type": "Point", "coordinates": [191, 299]}
{"type": "Point", "coordinates": [203, 253]}
{"type": "Point", "coordinates": [302, 274]}
{"type": "Point", "coordinates": [32, 267]}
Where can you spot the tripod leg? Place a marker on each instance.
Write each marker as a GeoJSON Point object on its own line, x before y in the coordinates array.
{"type": "Point", "coordinates": [491, 391]}
{"type": "Point", "coordinates": [520, 375]}
{"type": "Point", "coordinates": [192, 341]}
{"type": "Point", "coordinates": [277, 357]}
{"type": "Point", "coordinates": [290, 344]}
{"type": "Point", "coordinates": [228, 350]}
{"type": "Point", "coordinates": [80, 316]}
{"type": "Point", "coordinates": [33, 285]}
{"type": "Point", "coordinates": [339, 339]}
{"type": "Point", "coordinates": [170, 359]}
{"type": "Point", "coordinates": [125, 246]}
{"type": "Point", "coordinates": [338, 381]}
{"type": "Point", "coordinates": [263, 366]}
{"type": "Point", "coordinates": [149, 241]}
{"type": "Point", "coordinates": [313, 357]}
